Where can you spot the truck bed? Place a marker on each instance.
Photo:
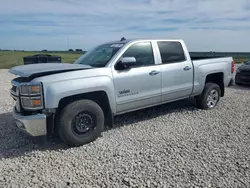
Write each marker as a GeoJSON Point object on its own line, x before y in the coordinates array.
{"type": "Point", "coordinates": [203, 58]}
{"type": "Point", "coordinates": [205, 65]}
{"type": "Point", "coordinates": [212, 60]}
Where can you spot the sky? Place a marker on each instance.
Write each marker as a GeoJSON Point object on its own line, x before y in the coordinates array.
{"type": "Point", "coordinates": [204, 25]}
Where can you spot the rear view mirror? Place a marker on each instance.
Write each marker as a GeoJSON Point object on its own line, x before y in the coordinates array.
{"type": "Point", "coordinates": [125, 63]}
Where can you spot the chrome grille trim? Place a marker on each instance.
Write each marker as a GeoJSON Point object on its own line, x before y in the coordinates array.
{"type": "Point", "coordinates": [15, 91]}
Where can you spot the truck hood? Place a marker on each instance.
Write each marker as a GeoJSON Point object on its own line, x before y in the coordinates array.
{"type": "Point", "coordinates": [42, 69]}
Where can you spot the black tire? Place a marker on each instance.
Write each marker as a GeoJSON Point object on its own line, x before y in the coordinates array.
{"type": "Point", "coordinates": [201, 100]}
{"type": "Point", "coordinates": [237, 83]}
{"type": "Point", "coordinates": [69, 127]}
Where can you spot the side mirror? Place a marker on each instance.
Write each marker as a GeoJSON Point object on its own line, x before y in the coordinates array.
{"type": "Point", "coordinates": [125, 63]}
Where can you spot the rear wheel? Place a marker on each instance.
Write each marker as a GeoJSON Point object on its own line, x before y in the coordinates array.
{"type": "Point", "coordinates": [81, 122]}
{"type": "Point", "coordinates": [209, 97]}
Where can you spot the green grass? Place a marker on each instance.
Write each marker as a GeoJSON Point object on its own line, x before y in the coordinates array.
{"type": "Point", "coordinates": [238, 60]}
{"type": "Point", "coordinates": [9, 59]}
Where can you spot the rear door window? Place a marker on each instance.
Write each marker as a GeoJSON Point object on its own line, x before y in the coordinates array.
{"type": "Point", "coordinates": [171, 52]}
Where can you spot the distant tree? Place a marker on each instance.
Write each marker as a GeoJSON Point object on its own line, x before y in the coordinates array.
{"type": "Point", "coordinates": [71, 50]}
{"type": "Point", "coordinates": [44, 50]}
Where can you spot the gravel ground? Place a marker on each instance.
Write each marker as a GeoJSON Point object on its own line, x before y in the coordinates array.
{"type": "Point", "coordinates": [174, 145]}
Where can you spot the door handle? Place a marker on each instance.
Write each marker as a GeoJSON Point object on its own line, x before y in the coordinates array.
{"type": "Point", "coordinates": [154, 72]}
{"type": "Point", "coordinates": [186, 68]}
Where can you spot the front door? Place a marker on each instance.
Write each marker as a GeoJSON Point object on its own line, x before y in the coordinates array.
{"type": "Point", "coordinates": [140, 85]}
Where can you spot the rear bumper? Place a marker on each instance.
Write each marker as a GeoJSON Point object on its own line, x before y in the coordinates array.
{"type": "Point", "coordinates": [34, 125]}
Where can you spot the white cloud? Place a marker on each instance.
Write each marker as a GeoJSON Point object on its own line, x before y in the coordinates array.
{"type": "Point", "coordinates": [221, 25]}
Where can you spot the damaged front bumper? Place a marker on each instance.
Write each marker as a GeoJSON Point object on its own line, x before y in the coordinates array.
{"type": "Point", "coordinates": [34, 125]}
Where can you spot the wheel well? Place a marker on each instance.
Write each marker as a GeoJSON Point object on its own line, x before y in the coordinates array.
{"type": "Point", "coordinates": [100, 97]}
{"type": "Point", "coordinates": [217, 78]}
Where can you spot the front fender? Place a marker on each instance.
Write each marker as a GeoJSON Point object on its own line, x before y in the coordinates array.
{"type": "Point", "coordinates": [55, 91]}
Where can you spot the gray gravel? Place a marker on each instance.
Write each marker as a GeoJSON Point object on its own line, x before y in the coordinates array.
{"type": "Point", "coordinates": [174, 145]}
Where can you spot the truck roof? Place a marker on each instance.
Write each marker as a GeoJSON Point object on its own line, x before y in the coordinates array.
{"type": "Point", "coordinates": [139, 39]}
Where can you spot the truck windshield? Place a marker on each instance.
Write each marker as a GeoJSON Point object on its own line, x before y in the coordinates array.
{"type": "Point", "coordinates": [99, 56]}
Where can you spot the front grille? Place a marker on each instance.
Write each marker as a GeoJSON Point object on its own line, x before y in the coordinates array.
{"type": "Point", "coordinates": [245, 72]}
{"type": "Point", "coordinates": [14, 89]}
{"type": "Point", "coordinates": [244, 76]}
{"type": "Point", "coordinates": [14, 92]}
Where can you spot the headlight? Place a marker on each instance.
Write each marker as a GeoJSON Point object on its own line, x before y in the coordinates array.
{"type": "Point", "coordinates": [31, 96]}
{"type": "Point", "coordinates": [32, 102]}
{"type": "Point", "coordinates": [238, 71]}
{"type": "Point", "coordinates": [32, 89]}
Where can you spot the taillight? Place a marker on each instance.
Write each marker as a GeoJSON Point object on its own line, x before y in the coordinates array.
{"type": "Point", "coordinates": [232, 67]}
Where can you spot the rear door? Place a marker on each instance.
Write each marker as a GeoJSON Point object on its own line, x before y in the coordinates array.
{"type": "Point", "coordinates": [140, 85]}
{"type": "Point", "coordinates": [177, 71]}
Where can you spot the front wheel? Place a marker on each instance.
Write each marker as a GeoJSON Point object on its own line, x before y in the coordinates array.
{"type": "Point", "coordinates": [209, 97]}
{"type": "Point", "coordinates": [81, 122]}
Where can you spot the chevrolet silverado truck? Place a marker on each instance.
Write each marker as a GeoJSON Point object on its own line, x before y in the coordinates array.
{"type": "Point", "coordinates": [76, 101]}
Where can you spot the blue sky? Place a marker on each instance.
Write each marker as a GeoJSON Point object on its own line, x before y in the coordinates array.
{"type": "Point", "coordinates": [218, 25]}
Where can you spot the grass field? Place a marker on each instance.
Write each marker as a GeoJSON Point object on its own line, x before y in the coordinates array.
{"type": "Point", "coordinates": [10, 59]}
{"type": "Point", "coordinates": [240, 60]}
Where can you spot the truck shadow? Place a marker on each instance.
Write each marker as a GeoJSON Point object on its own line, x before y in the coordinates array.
{"type": "Point", "coordinates": [15, 143]}
{"type": "Point", "coordinates": [153, 112]}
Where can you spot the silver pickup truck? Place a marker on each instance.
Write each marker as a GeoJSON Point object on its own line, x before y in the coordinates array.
{"type": "Point", "coordinates": [76, 101]}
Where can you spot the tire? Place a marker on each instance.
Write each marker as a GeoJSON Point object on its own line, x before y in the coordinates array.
{"type": "Point", "coordinates": [71, 122]}
{"type": "Point", "coordinates": [238, 83]}
{"type": "Point", "coordinates": [202, 100]}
